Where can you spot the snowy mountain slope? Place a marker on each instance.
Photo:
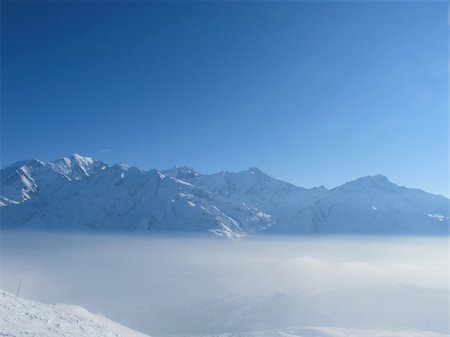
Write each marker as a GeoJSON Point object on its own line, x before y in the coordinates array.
{"type": "Point", "coordinates": [119, 197]}
{"type": "Point", "coordinates": [366, 205]}
{"type": "Point", "coordinates": [21, 180]}
{"type": "Point", "coordinates": [21, 317]}
{"type": "Point", "coordinates": [81, 193]}
{"type": "Point", "coordinates": [254, 188]}
{"type": "Point", "coordinates": [382, 206]}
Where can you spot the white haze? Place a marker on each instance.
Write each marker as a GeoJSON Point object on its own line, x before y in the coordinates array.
{"type": "Point", "coordinates": [201, 285]}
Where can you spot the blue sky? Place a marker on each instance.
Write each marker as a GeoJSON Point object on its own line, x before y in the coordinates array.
{"type": "Point", "coordinates": [310, 92]}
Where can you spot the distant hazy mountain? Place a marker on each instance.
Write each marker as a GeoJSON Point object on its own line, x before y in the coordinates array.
{"type": "Point", "coordinates": [395, 307]}
{"type": "Point", "coordinates": [81, 193]}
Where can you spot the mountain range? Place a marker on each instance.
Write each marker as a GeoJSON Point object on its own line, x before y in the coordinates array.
{"type": "Point", "coordinates": [84, 194]}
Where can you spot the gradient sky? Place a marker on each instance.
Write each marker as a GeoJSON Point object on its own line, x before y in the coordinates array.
{"type": "Point", "coordinates": [310, 92]}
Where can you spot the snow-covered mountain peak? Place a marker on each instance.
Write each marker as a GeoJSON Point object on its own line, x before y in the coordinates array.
{"type": "Point", "coordinates": [76, 167]}
{"type": "Point", "coordinates": [255, 170]}
{"type": "Point", "coordinates": [378, 178]}
{"type": "Point", "coordinates": [370, 182]}
{"type": "Point", "coordinates": [31, 163]}
{"type": "Point", "coordinates": [122, 166]}
{"type": "Point", "coordinates": [181, 172]}
{"type": "Point", "coordinates": [86, 193]}
{"type": "Point", "coordinates": [82, 160]}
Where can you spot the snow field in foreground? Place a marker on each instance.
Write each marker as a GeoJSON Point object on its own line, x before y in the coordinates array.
{"type": "Point", "coordinates": [20, 317]}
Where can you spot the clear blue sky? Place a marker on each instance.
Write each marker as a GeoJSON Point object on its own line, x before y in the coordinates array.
{"type": "Point", "coordinates": [310, 92]}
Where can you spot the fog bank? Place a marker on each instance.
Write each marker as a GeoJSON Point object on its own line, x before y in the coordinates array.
{"type": "Point", "coordinates": [171, 285]}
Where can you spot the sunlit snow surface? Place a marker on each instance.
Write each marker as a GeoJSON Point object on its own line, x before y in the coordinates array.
{"type": "Point", "coordinates": [21, 317]}
{"type": "Point", "coordinates": [83, 194]}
